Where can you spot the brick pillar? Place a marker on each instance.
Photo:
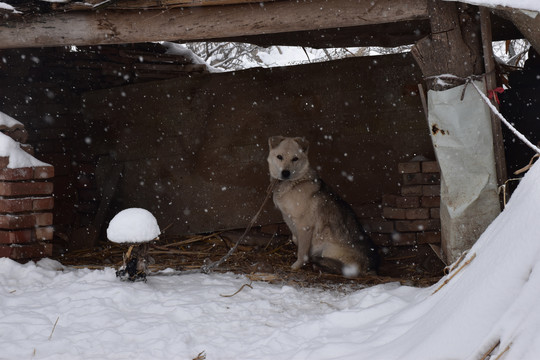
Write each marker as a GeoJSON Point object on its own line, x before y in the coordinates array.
{"type": "Point", "coordinates": [414, 213]}
{"type": "Point", "coordinates": [26, 217]}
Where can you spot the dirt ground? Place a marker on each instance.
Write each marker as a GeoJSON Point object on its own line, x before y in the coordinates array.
{"type": "Point", "coordinates": [262, 259]}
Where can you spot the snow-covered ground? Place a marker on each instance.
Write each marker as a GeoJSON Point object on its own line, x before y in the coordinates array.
{"type": "Point", "coordinates": [52, 312]}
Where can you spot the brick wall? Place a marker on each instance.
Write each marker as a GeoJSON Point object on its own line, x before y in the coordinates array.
{"type": "Point", "coordinates": [412, 216]}
{"type": "Point", "coordinates": [26, 205]}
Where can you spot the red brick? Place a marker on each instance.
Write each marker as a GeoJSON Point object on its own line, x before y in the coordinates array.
{"type": "Point", "coordinates": [407, 202]}
{"type": "Point", "coordinates": [430, 167]}
{"type": "Point", "coordinates": [393, 213]}
{"type": "Point", "coordinates": [5, 251]}
{"type": "Point", "coordinates": [25, 173]}
{"type": "Point", "coordinates": [429, 237]}
{"type": "Point", "coordinates": [16, 237]}
{"type": "Point", "coordinates": [408, 190]}
{"type": "Point", "coordinates": [33, 251]}
{"type": "Point", "coordinates": [431, 190]}
{"type": "Point", "coordinates": [409, 167]}
{"type": "Point", "coordinates": [43, 219]}
{"type": "Point", "coordinates": [44, 203]}
{"type": "Point", "coordinates": [43, 172]}
{"type": "Point", "coordinates": [417, 214]}
{"type": "Point", "coordinates": [27, 148]}
{"type": "Point", "coordinates": [418, 225]}
{"type": "Point", "coordinates": [421, 179]}
{"type": "Point", "coordinates": [403, 239]}
{"type": "Point", "coordinates": [378, 226]}
{"type": "Point", "coordinates": [4, 161]}
{"type": "Point", "coordinates": [44, 233]}
{"type": "Point", "coordinates": [435, 213]}
{"type": "Point", "coordinates": [15, 205]}
{"type": "Point", "coordinates": [17, 221]}
{"type": "Point", "coordinates": [430, 201]}
{"type": "Point", "coordinates": [25, 188]}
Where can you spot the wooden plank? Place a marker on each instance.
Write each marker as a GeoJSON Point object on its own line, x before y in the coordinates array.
{"type": "Point", "coordinates": [489, 63]}
{"type": "Point", "coordinates": [149, 4]}
{"type": "Point", "coordinates": [199, 23]}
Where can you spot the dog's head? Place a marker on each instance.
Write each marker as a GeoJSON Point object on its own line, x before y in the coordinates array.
{"type": "Point", "coordinates": [288, 157]}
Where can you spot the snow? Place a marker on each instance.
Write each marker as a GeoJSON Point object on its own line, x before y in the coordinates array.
{"type": "Point", "coordinates": [6, 6]}
{"type": "Point", "coordinates": [490, 298]}
{"type": "Point", "coordinates": [8, 121]}
{"type": "Point", "coordinates": [18, 158]}
{"type": "Point", "coordinates": [133, 225]}
{"type": "Point", "coordinates": [533, 5]}
{"type": "Point", "coordinates": [182, 50]}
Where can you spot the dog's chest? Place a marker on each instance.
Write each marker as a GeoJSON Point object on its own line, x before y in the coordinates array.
{"type": "Point", "coordinates": [294, 198]}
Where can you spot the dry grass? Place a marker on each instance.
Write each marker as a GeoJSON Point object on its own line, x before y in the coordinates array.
{"type": "Point", "coordinates": [270, 263]}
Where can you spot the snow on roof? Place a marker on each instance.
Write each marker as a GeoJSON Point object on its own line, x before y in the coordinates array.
{"type": "Point", "coordinates": [532, 5]}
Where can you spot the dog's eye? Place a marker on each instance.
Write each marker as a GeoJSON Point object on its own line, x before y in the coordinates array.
{"type": "Point", "coordinates": [280, 157]}
{"type": "Point", "coordinates": [295, 158]}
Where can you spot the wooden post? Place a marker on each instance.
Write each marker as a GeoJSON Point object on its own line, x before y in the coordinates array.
{"type": "Point", "coordinates": [491, 83]}
{"type": "Point", "coordinates": [448, 50]}
{"type": "Point", "coordinates": [469, 200]}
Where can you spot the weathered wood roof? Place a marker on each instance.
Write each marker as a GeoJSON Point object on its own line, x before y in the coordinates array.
{"type": "Point", "coordinates": [316, 23]}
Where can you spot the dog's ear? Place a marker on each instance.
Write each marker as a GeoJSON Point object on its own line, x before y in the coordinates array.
{"type": "Point", "coordinates": [274, 141]}
{"type": "Point", "coordinates": [304, 144]}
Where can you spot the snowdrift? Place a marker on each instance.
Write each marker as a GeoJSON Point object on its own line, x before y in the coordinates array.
{"type": "Point", "coordinates": [487, 305]}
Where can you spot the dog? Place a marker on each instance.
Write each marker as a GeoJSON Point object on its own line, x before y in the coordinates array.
{"type": "Point", "coordinates": [323, 226]}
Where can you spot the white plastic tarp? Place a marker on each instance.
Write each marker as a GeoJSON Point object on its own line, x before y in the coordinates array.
{"type": "Point", "coordinates": [463, 142]}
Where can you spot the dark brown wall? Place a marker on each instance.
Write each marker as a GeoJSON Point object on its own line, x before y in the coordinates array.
{"type": "Point", "coordinates": [194, 148]}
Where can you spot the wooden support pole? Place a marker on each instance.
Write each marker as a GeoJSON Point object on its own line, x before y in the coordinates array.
{"type": "Point", "coordinates": [491, 83]}
{"type": "Point", "coordinates": [450, 49]}
{"type": "Point", "coordinates": [466, 161]}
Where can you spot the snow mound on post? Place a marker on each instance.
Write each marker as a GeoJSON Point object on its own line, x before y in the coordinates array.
{"type": "Point", "coordinates": [133, 225]}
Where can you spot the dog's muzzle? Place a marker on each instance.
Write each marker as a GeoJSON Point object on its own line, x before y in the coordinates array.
{"type": "Point", "coordinates": [285, 174]}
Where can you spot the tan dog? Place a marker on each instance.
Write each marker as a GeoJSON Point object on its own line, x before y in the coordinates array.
{"type": "Point", "coordinates": [323, 226]}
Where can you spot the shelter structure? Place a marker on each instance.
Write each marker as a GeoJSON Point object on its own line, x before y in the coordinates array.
{"type": "Point", "coordinates": [107, 141]}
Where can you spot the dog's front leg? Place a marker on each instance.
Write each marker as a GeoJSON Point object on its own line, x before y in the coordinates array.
{"type": "Point", "coordinates": [304, 244]}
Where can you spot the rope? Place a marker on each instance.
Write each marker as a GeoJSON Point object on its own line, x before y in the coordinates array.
{"type": "Point", "coordinates": [505, 122]}
{"type": "Point", "coordinates": [207, 268]}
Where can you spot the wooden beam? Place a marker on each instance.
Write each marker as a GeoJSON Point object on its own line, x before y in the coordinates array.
{"type": "Point", "coordinates": [491, 83]}
{"type": "Point", "coordinates": [200, 23]}
{"type": "Point", "coordinates": [387, 35]}
{"type": "Point", "coordinates": [528, 25]}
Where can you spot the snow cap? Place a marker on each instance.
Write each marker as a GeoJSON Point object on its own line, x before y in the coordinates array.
{"type": "Point", "coordinates": [133, 225]}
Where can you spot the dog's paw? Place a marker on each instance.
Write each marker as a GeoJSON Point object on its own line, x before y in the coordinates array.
{"type": "Point", "coordinates": [297, 265]}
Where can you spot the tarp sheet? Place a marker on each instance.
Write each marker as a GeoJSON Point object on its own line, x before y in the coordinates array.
{"type": "Point", "coordinates": [463, 141]}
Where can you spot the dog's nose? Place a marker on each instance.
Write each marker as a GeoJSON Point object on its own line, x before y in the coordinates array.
{"type": "Point", "coordinates": [285, 174]}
